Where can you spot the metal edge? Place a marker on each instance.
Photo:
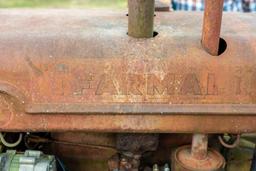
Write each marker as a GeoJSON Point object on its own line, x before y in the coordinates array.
{"type": "Point", "coordinates": [133, 109]}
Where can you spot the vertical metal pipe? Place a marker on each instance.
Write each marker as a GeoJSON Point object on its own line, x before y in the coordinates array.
{"type": "Point", "coordinates": [141, 18]}
{"type": "Point", "coordinates": [212, 26]}
{"type": "Point", "coordinates": [199, 146]}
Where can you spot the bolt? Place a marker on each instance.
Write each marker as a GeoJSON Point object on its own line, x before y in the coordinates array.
{"type": "Point", "coordinates": [123, 162]}
{"type": "Point", "coordinates": [155, 167]}
{"type": "Point", "coordinates": [125, 165]}
{"type": "Point", "coordinates": [166, 167]}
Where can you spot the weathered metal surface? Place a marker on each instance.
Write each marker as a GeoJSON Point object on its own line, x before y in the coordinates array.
{"type": "Point", "coordinates": [141, 18]}
{"type": "Point", "coordinates": [212, 26]}
{"type": "Point", "coordinates": [197, 157]}
{"type": "Point", "coordinates": [184, 161]}
{"type": "Point", "coordinates": [199, 147]}
{"type": "Point", "coordinates": [78, 70]}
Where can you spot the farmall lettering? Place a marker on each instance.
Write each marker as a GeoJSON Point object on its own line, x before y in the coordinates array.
{"type": "Point", "coordinates": [150, 85]}
{"type": "Point", "coordinates": [139, 81]}
{"type": "Point", "coordinates": [84, 83]}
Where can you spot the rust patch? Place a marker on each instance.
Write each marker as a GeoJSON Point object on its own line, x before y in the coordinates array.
{"type": "Point", "coordinates": [163, 84]}
{"type": "Point", "coordinates": [6, 111]}
{"type": "Point", "coordinates": [35, 69]}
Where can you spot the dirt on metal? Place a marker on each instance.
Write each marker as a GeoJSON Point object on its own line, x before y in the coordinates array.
{"type": "Point", "coordinates": [78, 70]}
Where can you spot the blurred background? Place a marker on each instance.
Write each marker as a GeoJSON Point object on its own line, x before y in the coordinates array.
{"type": "Point", "coordinates": [114, 4]}
{"type": "Point", "coordinates": [188, 5]}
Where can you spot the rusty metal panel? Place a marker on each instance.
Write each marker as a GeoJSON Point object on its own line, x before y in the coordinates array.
{"type": "Point", "coordinates": [78, 70]}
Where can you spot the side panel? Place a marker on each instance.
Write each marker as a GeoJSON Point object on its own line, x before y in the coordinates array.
{"type": "Point", "coordinates": [65, 70]}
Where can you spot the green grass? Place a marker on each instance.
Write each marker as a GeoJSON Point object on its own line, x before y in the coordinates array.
{"type": "Point", "coordinates": [63, 4]}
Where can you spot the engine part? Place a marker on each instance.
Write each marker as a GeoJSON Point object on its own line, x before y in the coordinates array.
{"type": "Point", "coordinates": [132, 147]}
{"type": "Point", "coordinates": [71, 72]}
{"type": "Point", "coordinates": [198, 157]}
{"type": "Point", "coordinates": [116, 83]}
{"type": "Point", "coordinates": [29, 161]}
{"type": "Point", "coordinates": [85, 78]}
{"type": "Point", "coordinates": [155, 167]}
{"type": "Point", "coordinates": [137, 143]}
{"type": "Point", "coordinates": [10, 145]}
{"type": "Point", "coordinates": [235, 143]}
{"type": "Point", "coordinates": [166, 167]}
